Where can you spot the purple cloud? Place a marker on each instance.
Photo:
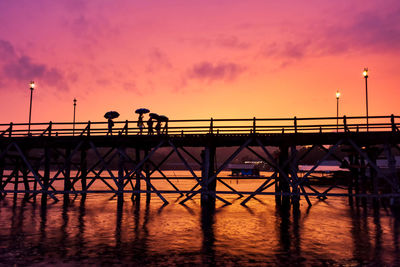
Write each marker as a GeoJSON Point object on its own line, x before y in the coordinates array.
{"type": "Point", "coordinates": [211, 72]}
{"type": "Point", "coordinates": [17, 68]}
{"type": "Point", "coordinates": [368, 31]}
{"type": "Point", "coordinates": [231, 42]}
{"type": "Point", "coordinates": [288, 50]}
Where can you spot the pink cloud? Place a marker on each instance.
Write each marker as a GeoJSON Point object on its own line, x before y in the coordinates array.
{"type": "Point", "coordinates": [21, 67]}
{"type": "Point", "coordinates": [210, 72]}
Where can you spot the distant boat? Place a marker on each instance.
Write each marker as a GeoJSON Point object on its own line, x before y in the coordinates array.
{"type": "Point", "coordinates": [243, 170]}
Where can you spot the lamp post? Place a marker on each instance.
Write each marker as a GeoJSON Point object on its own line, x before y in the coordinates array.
{"type": "Point", "coordinates": [73, 131]}
{"type": "Point", "coordinates": [337, 110]}
{"type": "Point", "coordinates": [365, 73]}
{"type": "Point", "coordinates": [31, 86]}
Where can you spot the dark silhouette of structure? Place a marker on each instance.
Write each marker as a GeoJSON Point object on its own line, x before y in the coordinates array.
{"type": "Point", "coordinates": [31, 164]}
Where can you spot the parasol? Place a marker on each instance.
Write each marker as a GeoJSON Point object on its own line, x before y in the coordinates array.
{"type": "Point", "coordinates": [111, 115]}
{"type": "Point", "coordinates": [163, 118]}
{"type": "Point", "coordinates": [154, 116]}
{"type": "Point", "coordinates": [142, 111]}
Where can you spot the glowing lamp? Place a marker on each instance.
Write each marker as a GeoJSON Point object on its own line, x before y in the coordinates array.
{"type": "Point", "coordinates": [32, 84]}
{"type": "Point", "coordinates": [337, 94]}
{"type": "Point", "coordinates": [365, 72]}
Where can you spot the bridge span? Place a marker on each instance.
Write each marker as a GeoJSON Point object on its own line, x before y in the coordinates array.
{"type": "Point", "coordinates": [62, 159]}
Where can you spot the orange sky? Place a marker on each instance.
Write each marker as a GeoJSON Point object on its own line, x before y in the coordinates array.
{"type": "Point", "coordinates": [197, 59]}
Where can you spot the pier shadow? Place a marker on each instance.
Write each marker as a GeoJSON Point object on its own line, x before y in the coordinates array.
{"type": "Point", "coordinates": [360, 233]}
{"type": "Point", "coordinates": [289, 233]}
{"type": "Point", "coordinates": [207, 221]}
{"type": "Point", "coordinates": [64, 227]}
{"type": "Point", "coordinates": [80, 237]}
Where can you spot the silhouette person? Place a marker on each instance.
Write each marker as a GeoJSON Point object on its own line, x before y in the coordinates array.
{"type": "Point", "coordinates": [158, 127]}
{"type": "Point", "coordinates": [164, 131]}
{"type": "Point", "coordinates": [110, 125]}
{"type": "Point", "coordinates": [140, 124]}
{"type": "Point", "coordinates": [150, 126]}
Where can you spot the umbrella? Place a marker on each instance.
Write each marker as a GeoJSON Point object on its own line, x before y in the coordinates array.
{"type": "Point", "coordinates": [163, 118]}
{"type": "Point", "coordinates": [154, 116]}
{"type": "Point", "coordinates": [142, 111]}
{"type": "Point", "coordinates": [111, 115]}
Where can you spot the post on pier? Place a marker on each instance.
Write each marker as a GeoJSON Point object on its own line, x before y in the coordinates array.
{"type": "Point", "coordinates": [16, 181]}
{"type": "Point", "coordinates": [84, 171]}
{"type": "Point", "coordinates": [294, 170]}
{"type": "Point", "coordinates": [67, 174]}
{"type": "Point", "coordinates": [208, 171]}
{"type": "Point", "coordinates": [372, 153]}
{"type": "Point", "coordinates": [282, 196]}
{"type": "Point", "coordinates": [147, 172]}
{"type": "Point", "coordinates": [136, 196]}
{"type": "Point", "coordinates": [363, 181]}
{"type": "Point", "coordinates": [1, 176]}
{"type": "Point", "coordinates": [24, 171]}
{"type": "Point", "coordinates": [394, 201]}
{"type": "Point", "coordinates": [353, 173]}
{"type": "Point", "coordinates": [46, 175]}
{"type": "Point", "coordinates": [121, 174]}
{"type": "Point", "coordinates": [357, 167]}
{"type": "Point", "coordinates": [35, 183]}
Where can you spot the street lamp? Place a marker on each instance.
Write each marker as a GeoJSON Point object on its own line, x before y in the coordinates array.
{"type": "Point", "coordinates": [365, 73]}
{"type": "Point", "coordinates": [337, 110]}
{"type": "Point", "coordinates": [31, 86]}
{"type": "Point", "coordinates": [73, 131]}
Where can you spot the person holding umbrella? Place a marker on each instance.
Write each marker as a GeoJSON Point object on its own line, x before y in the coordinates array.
{"type": "Point", "coordinates": [158, 126]}
{"type": "Point", "coordinates": [150, 123]}
{"type": "Point", "coordinates": [163, 118]}
{"type": "Point", "coordinates": [110, 116]}
{"type": "Point", "coordinates": [140, 123]}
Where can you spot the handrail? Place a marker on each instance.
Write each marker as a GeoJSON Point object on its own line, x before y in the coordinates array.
{"type": "Point", "coordinates": [210, 126]}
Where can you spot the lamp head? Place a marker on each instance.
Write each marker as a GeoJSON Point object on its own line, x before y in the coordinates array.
{"type": "Point", "coordinates": [337, 94]}
{"type": "Point", "coordinates": [32, 85]}
{"type": "Point", "coordinates": [365, 72]}
{"type": "Point", "coordinates": [74, 101]}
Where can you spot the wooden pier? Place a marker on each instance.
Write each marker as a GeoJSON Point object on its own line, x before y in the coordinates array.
{"type": "Point", "coordinates": [61, 159]}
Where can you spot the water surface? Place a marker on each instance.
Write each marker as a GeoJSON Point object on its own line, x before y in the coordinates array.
{"type": "Point", "coordinates": [96, 230]}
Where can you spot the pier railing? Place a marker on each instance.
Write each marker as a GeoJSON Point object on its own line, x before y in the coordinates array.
{"type": "Point", "coordinates": [208, 126]}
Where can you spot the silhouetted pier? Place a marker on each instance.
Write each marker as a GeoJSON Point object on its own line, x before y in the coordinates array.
{"type": "Point", "coordinates": [52, 158]}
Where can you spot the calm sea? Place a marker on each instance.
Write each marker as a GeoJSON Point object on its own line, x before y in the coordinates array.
{"type": "Point", "coordinates": [96, 231]}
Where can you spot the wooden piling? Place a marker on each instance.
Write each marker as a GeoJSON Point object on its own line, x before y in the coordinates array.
{"type": "Point", "coordinates": [83, 167]}
{"type": "Point", "coordinates": [46, 175]}
{"type": "Point", "coordinates": [208, 171]}
{"type": "Point", "coordinates": [121, 174]}
{"type": "Point", "coordinates": [148, 177]}
{"type": "Point", "coordinates": [283, 183]}
{"type": "Point", "coordinates": [351, 180]}
{"type": "Point", "coordinates": [1, 176]}
{"type": "Point", "coordinates": [137, 183]}
{"type": "Point", "coordinates": [294, 170]}
{"type": "Point", "coordinates": [16, 176]}
{"type": "Point", "coordinates": [67, 173]}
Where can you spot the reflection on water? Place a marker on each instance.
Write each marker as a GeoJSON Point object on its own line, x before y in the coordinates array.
{"type": "Point", "coordinates": [97, 230]}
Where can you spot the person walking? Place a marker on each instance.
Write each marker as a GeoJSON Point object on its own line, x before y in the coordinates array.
{"type": "Point", "coordinates": [110, 116]}
{"type": "Point", "coordinates": [150, 126]}
{"type": "Point", "coordinates": [158, 127]}
{"type": "Point", "coordinates": [140, 124]}
{"type": "Point", "coordinates": [110, 126]}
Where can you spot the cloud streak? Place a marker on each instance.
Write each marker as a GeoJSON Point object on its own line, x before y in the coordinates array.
{"type": "Point", "coordinates": [16, 67]}
{"type": "Point", "coordinates": [367, 31]}
{"type": "Point", "coordinates": [207, 71]}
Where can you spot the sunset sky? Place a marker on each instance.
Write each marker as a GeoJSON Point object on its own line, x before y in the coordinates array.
{"type": "Point", "coordinates": [198, 59]}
